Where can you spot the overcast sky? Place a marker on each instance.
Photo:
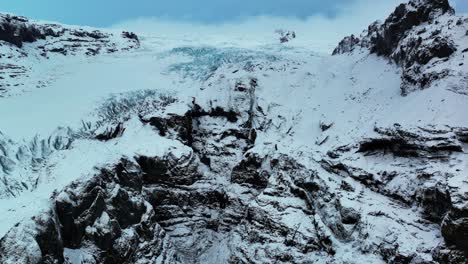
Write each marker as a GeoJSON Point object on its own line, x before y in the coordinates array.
{"type": "Point", "coordinates": [103, 13]}
{"type": "Point", "coordinates": [319, 24]}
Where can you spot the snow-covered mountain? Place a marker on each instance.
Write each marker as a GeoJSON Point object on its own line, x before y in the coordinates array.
{"type": "Point", "coordinates": [118, 148]}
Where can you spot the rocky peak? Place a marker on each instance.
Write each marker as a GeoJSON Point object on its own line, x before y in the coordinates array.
{"type": "Point", "coordinates": [236, 155]}
{"type": "Point", "coordinates": [385, 39]}
{"type": "Point", "coordinates": [18, 30]}
{"type": "Point", "coordinates": [412, 36]}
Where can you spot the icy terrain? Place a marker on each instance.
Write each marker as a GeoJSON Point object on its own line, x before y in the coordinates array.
{"type": "Point", "coordinates": [118, 148]}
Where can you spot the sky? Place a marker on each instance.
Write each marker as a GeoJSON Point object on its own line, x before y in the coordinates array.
{"type": "Point", "coordinates": [104, 13]}
{"type": "Point", "coordinates": [319, 24]}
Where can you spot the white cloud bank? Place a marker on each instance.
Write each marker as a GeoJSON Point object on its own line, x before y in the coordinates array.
{"type": "Point", "coordinates": [319, 32]}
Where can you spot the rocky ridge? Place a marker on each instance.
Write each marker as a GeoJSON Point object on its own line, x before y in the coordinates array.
{"type": "Point", "coordinates": [225, 202]}
{"type": "Point", "coordinates": [229, 191]}
{"type": "Point", "coordinates": [425, 38]}
{"type": "Point", "coordinates": [21, 38]}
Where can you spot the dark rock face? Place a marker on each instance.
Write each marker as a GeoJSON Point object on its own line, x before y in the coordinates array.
{"type": "Point", "coordinates": [167, 171]}
{"type": "Point", "coordinates": [428, 189]}
{"type": "Point", "coordinates": [107, 215]}
{"type": "Point", "coordinates": [435, 202]}
{"type": "Point", "coordinates": [41, 243]}
{"type": "Point", "coordinates": [419, 55]}
{"type": "Point", "coordinates": [249, 171]}
{"type": "Point", "coordinates": [122, 218]}
{"type": "Point", "coordinates": [222, 196]}
{"type": "Point", "coordinates": [386, 38]}
{"type": "Point", "coordinates": [19, 30]}
{"type": "Point", "coordinates": [383, 39]}
{"type": "Point", "coordinates": [455, 229]}
{"type": "Point", "coordinates": [407, 144]}
{"type": "Point", "coordinates": [349, 216]}
{"type": "Point", "coordinates": [131, 35]}
{"type": "Point", "coordinates": [180, 126]}
{"type": "Point", "coordinates": [231, 198]}
{"type": "Point", "coordinates": [448, 255]}
{"type": "Point", "coordinates": [16, 30]}
{"type": "Point", "coordinates": [412, 36]}
{"type": "Point", "coordinates": [111, 133]}
{"type": "Point", "coordinates": [346, 45]}
{"type": "Point", "coordinates": [439, 48]}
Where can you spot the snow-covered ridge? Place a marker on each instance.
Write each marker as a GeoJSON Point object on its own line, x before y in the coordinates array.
{"type": "Point", "coordinates": [426, 39]}
{"type": "Point", "coordinates": [26, 44]}
{"type": "Point", "coordinates": [190, 153]}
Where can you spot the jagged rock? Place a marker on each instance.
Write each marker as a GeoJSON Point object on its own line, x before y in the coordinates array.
{"type": "Point", "coordinates": [249, 171]}
{"type": "Point", "coordinates": [35, 241]}
{"type": "Point", "coordinates": [404, 18]}
{"type": "Point", "coordinates": [324, 126]}
{"type": "Point", "coordinates": [230, 115]}
{"type": "Point", "coordinates": [404, 143]}
{"type": "Point", "coordinates": [383, 39]}
{"type": "Point", "coordinates": [104, 215]}
{"type": "Point", "coordinates": [448, 255]}
{"type": "Point", "coordinates": [168, 170]}
{"type": "Point", "coordinates": [346, 45]}
{"type": "Point", "coordinates": [435, 202]}
{"type": "Point", "coordinates": [349, 216]}
{"type": "Point", "coordinates": [455, 229]}
{"type": "Point", "coordinates": [391, 255]}
{"type": "Point", "coordinates": [111, 133]}
{"type": "Point", "coordinates": [130, 35]}
{"type": "Point", "coordinates": [17, 30]}
{"type": "Point", "coordinates": [412, 36]}
{"type": "Point", "coordinates": [236, 177]}
{"type": "Point", "coordinates": [181, 126]}
{"type": "Point", "coordinates": [438, 48]}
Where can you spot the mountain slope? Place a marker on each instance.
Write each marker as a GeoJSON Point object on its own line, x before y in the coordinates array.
{"type": "Point", "coordinates": [28, 48]}
{"type": "Point", "coordinates": [221, 154]}
{"type": "Point", "coordinates": [425, 39]}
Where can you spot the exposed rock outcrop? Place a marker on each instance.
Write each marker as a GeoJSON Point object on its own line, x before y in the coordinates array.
{"type": "Point", "coordinates": [17, 30]}
{"type": "Point", "coordinates": [106, 219]}
{"type": "Point", "coordinates": [223, 169]}
{"type": "Point", "coordinates": [455, 228]}
{"type": "Point", "coordinates": [433, 154]}
{"type": "Point", "coordinates": [417, 36]}
{"type": "Point", "coordinates": [185, 210]}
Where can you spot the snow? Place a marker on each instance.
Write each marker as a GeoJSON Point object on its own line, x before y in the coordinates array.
{"type": "Point", "coordinates": [76, 90]}
{"type": "Point", "coordinates": [77, 256]}
{"type": "Point", "coordinates": [297, 85]}
{"type": "Point", "coordinates": [81, 162]}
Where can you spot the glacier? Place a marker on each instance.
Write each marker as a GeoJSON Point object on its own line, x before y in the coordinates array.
{"type": "Point", "coordinates": [118, 147]}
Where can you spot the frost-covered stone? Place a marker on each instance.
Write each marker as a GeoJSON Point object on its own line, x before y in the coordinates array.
{"type": "Point", "coordinates": [417, 36]}
{"type": "Point", "coordinates": [261, 154]}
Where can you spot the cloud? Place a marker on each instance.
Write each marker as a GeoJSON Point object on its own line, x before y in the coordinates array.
{"type": "Point", "coordinates": [461, 6]}
{"type": "Point", "coordinates": [319, 32]}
